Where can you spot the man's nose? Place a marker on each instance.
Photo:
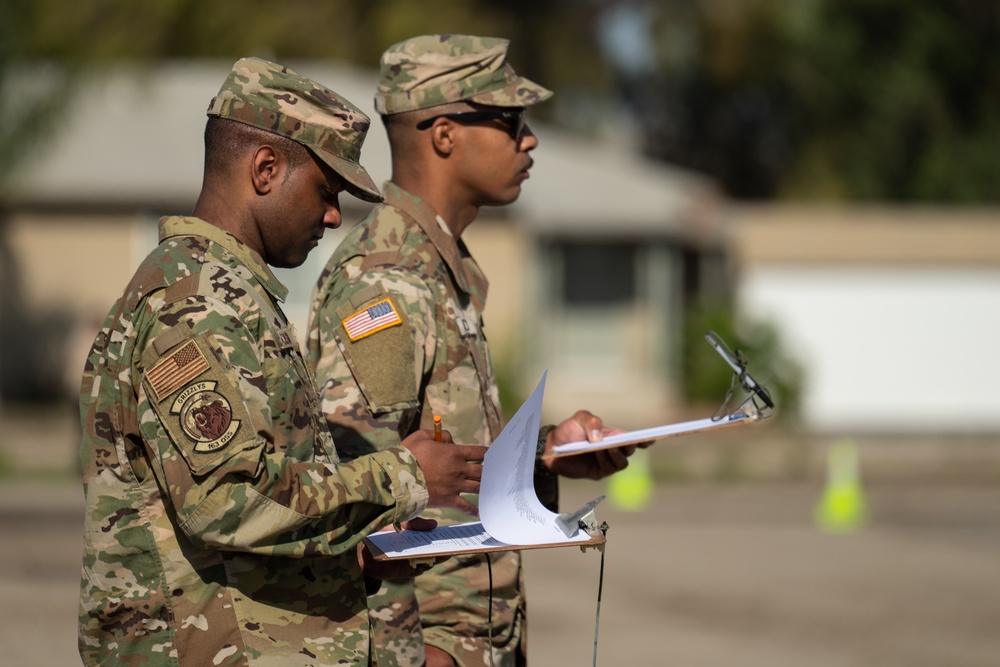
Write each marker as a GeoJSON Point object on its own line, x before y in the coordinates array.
{"type": "Point", "coordinates": [333, 217]}
{"type": "Point", "coordinates": [528, 139]}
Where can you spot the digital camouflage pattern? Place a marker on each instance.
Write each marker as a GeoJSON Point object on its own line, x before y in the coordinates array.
{"type": "Point", "coordinates": [274, 98]}
{"type": "Point", "coordinates": [393, 381]}
{"type": "Point", "coordinates": [220, 527]}
{"type": "Point", "coordinates": [431, 70]}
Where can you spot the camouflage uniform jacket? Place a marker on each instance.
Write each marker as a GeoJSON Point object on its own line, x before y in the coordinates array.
{"type": "Point", "coordinates": [427, 356]}
{"type": "Point", "coordinates": [220, 528]}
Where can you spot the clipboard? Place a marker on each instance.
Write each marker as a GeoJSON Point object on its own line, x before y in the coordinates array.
{"type": "Point", "coordinates": [457, 539]}
{"type": "Point", "coordinates": [748, 413]}
{"type": "Point", "coordinates": [654, 433]}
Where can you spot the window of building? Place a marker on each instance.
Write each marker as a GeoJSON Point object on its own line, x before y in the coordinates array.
{"type": "Point", "coordinates": [598, 274]}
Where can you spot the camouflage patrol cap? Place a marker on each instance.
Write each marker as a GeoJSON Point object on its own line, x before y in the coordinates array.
{"type": "Point", "coordinates": [274, 98]}
{"type": "Point", "coordinates": [430, 70]}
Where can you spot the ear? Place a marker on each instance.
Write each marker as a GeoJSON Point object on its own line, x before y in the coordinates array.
{"type": "Point", "coordinates": [265, 168]}
{"type": "Point", "coordinates": [444, 136]}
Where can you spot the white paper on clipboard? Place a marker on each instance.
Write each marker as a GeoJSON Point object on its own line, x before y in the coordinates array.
{"type": "Point", "coordinates": [512, 517]}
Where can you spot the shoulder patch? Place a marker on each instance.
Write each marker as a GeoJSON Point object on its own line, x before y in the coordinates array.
{"type": "Point", "coordinates": [181, 366]}
{"type": "Point", "coordinates": [199, 405]}
{"type": "Point", "coordinates": [206, 416]}
{"type": "Point", "coordinates": [376, 317]}
{"type": "Point", "coordinates": [383, 365]}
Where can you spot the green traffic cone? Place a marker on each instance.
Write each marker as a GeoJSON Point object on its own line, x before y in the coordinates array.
{"type": "Point", "coordinates": [631, 489]}
{"type": "Point", "coordinates": [843, 508]}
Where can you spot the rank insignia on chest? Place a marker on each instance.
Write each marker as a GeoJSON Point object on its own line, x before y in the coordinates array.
{"type": "Point", "coordinates": [376, 317]}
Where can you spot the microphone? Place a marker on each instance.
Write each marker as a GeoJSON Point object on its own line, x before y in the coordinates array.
{"type": "Point", "coordinates": [739, 366]}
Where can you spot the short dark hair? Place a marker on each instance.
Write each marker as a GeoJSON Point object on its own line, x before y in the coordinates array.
{"type": "Point", "coordinates": [399, 125]}
{"type": "Point", "coordinates": [228, 140]}
{"type": "Point", "coordinates": [396, 123]}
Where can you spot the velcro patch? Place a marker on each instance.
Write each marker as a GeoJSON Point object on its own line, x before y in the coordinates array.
{"type": "Point", "coordinates": [179, 367]}
{"type": "Point", "coordinates": [376, 317]}
{"type": "Point", "coordinates": [202, 411]}
{"type": "Point", "coordinates": [206, 416]}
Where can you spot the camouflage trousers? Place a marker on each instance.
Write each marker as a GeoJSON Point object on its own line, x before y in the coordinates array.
{"type": "Point", "coordinates": [448, 608]}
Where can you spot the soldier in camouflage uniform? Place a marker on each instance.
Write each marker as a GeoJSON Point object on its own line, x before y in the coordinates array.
{"type": "Point", "coordinates": [454, 112]}
{"type": "Point", "coordinates": [221, 525]}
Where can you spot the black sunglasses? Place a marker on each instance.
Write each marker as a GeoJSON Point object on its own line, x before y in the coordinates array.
{"type": "Point", "coordinates": [512, 118]}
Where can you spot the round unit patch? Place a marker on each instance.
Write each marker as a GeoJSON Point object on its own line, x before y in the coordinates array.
{"type": "Point", "coordinates": [206, 416]}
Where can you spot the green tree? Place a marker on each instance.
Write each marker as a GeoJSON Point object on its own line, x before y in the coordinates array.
{"type": "Point", "coordinates": [827, 99]}
{"type": "Point", "coordinates": [897, 100]}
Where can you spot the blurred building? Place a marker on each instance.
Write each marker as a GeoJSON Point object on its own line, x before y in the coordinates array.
{"type": "Point", "coordinates": [893, 312]}
{"type": "Point", "coordinates": [592, 268]}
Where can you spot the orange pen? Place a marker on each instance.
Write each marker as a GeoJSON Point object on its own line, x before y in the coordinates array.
{"type": "Point", "coordinates": [437, 427]}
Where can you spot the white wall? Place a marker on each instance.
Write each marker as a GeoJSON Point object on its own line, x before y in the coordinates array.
{"type": "Point", "coordinates": [888, 349]}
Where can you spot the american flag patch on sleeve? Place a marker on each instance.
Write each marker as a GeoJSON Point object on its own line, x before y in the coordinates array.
{"type": "Point", "coordinates": [378, 316]}
{"type": "Point", "coordinates": [171, 372]}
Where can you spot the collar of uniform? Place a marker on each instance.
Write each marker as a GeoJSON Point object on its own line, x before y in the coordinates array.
{"type": "Point", "coordinates": [191, 226]}
{"type": "Point", "coordinates": [427, 218]}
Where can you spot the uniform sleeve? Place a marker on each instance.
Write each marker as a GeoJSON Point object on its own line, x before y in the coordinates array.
{"type": "Point", "coordinates": [205, 416]}
{"type": "Point", "coordinates": [370, 379]}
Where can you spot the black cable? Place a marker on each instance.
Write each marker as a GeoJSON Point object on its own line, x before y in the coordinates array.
{"type": "Point", "coordinates": [600, 591]}
{"type": "Point", "coordinates": [489, 611]}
